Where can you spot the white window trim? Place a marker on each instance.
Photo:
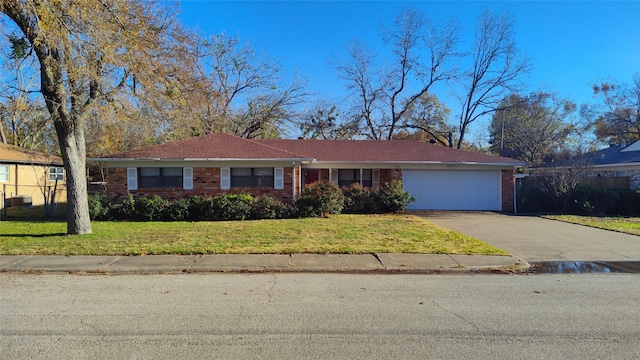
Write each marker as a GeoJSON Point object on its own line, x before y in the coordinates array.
{"type": "Point", "coordinates": [225, 178]}
{"type": "Point", "coordinates": [278, 178]}
{"type": "Point", "coordinates": [132, 178]}
{"type": "Point", "coordinates": [187, 178]}
{"type": "Point", "coordinates": [56, 173]}
{"type": "Point", "coordinates": [4, 173]}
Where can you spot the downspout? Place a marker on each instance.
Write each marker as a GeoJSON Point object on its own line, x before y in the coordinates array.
{"type": "Point", "coordinates": [515, 202]}
{"type": "Point", "coordinates": [293, 178]}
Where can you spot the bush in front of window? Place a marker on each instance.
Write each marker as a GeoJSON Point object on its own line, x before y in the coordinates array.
{"type": "Point", "coordinates": [360, 200]}
{"type": "Point", "coordinates": [152, 209]}
{"type": "Point", "coordinates": [320, 199]}
{"type": "Point", "coordinates": [266, 207]}
{"type": "Point", "coordinates": [232, 207]}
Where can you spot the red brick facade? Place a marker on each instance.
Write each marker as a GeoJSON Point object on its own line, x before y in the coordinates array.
{"type": "Point", "coordinates": [206, 182]}
{"type": "Point", "coordinates": [507, 190]}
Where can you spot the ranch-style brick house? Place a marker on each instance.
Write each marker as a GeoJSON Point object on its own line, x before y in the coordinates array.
{"type": "Point", "coordinates": [440, 178]}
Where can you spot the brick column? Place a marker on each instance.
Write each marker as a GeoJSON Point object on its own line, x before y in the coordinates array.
{"type": "Point", "coordinates": [507, 190]}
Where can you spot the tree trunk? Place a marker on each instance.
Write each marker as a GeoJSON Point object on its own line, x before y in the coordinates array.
{"type": "Point", "coordinates": [73, 154]}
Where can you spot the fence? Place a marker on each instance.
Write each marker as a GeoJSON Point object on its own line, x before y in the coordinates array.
{"type": "Point", "coordinates": [606, 182]}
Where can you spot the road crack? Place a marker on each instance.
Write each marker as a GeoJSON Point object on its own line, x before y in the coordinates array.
{"type": "Point", "coordinates": [458, 316]}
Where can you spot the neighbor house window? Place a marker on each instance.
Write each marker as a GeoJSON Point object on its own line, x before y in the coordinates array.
{"type": "Point", "coordinates": [4, 173]}
{"type": "Point", "coordinates": [159, 177]}
{"type": "Point", "coordinates": [346, 177]}
{"type": "Point", "coordinates": [56, 173]}
{"type": "Point", "coordinates": [251, 177]}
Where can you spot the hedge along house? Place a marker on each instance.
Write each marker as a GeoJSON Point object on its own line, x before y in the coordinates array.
{"type": "Point", "coordinates": [29, 177]}
{"type": "Point", "coordinates": [439, 177]}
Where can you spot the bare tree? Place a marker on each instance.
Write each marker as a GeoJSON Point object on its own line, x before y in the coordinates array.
{"type": "Point", "coordinates": [24, 120]}
{"type": "Point", "coordinates": [246, 93]}
{"type": "Point", "coordinates": [88, 52]}
{"type": "Point", "coordinates": [383, 93]}
{"type": "Point", "coordinates": [495, 71]}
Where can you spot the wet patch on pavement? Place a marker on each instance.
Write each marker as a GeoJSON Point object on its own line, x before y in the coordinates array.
{"type": "Point", "coordinates": [584, 267]}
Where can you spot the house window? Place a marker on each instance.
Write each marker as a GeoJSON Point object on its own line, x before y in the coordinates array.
{"type": "Point", "coordinates": [159, 177]}
{"type": "Point", "coordinates": [4, 173]}
{"type": "Point", "coordinates": [56, 173]}
{"type": "Point", "coordinates": [346, 177]}
{"type": "Point", "coordinates": [251, 177]}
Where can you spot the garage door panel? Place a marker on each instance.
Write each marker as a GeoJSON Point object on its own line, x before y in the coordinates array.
{"type": "Point", "coordinates": [453, 190]}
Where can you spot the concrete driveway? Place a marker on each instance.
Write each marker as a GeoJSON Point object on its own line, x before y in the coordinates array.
{"type": "Point", "coordinates": [537, 239]}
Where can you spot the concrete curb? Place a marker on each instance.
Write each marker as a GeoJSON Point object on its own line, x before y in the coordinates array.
{"type": "Point", "coordinates": [222, 263]}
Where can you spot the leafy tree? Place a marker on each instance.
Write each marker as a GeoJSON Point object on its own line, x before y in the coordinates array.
{"type": "Point", "coordinates": [324, 122]}
{"type": "Point", "coordinates": [382, 93]}
{"type": "Point", "coordinates": [495, 70]}
{"type": "Point", "coordinates": [428, 116]}
{"type": "Point", "coordinates": [534, 129]}
{"type": "Point", "coordinates": [88, 52]}
{"type": "Point", "coordinates": [619, 113]}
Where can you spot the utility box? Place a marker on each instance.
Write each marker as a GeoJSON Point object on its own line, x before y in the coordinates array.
{"type": "Point", "coordinates": [21, 201]}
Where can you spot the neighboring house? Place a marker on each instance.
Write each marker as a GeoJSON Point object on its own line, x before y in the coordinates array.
{"type": "Point", "coordinates": [616, 160]}
{"type": "Point", "coordinates": [439, 177]}
{"type": "Point", "coordinates": [27, 174]}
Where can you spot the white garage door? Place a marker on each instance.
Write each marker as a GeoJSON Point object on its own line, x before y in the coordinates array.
{"type": "Point", "coordinates": [453, 190]}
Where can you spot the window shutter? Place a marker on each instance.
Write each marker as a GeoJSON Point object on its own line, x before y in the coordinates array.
{"type": "Point", "coordinates": [278, 178]}
{"type": "Point", "coordinates": [375, 178]}
{"type": "Point", "coordinates": [187, 178]}
{"type": "Point", "coordinates": [225, 178]}
{"type": "Point", "coordinates": [132, 178]}
{"type": "Point", "coordinates": [333, 176]}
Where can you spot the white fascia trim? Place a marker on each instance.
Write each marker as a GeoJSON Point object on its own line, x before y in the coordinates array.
{"type": "Point", "coordinates": [366, 164]}
{"type": "Point", "coordinates": [196, 159]}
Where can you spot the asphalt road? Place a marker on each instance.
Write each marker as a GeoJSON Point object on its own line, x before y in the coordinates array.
{"type": "Point", "coordinates": [313, 316]}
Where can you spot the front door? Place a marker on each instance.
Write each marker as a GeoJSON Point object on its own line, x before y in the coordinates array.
{"type": "Point", "coordinates": [310, 176]}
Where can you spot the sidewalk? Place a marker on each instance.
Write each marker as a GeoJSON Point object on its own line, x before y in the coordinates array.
{"type": "Point", "coordinates": [339, 263]}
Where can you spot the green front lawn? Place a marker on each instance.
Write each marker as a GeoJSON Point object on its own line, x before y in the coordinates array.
{"type": "Point", "coordinates": [345, 234]}
{"type": "Point", "coordinates": [621, 224]}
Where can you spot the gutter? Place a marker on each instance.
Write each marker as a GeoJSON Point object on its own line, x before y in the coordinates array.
{"type": "Point", "coordinates": [199, 159]}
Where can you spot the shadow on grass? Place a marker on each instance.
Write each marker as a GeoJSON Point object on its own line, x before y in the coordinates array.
{"type": "Point", "coordinates": [36, 235]}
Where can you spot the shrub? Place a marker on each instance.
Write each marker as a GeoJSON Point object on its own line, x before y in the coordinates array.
{"type": "Point", "coordinates": [179, 210]}
{"type": "Point", "coordinates": [628, 203]}
{"type": "Point", "coordinates": [151, 209]}
{"type": "Point", "coordinates": [360, 200]}
{"type": "Point", "coordinates": [231, 207]}
{"type": "Point", "coordinates": [124, 211]}
{"type": "Point", "coordinates": [320, 199]}
{"type": "Point", "coordinates": [266, 207]}
{"type": "Point", "coordinates": [98, 207]}
{"type": "Point", "coordinates": [393, 198]}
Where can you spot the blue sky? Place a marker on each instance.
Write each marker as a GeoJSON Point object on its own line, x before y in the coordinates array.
{"type": "Point", "coordinates": [572, 44]}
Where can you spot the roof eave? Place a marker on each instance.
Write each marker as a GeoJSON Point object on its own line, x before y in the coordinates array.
{"type": "Point", "coordinates": [199, 159]}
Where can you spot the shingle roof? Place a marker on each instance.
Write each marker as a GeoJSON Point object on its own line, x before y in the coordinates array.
{"type": "Point", "coordinates": [381, 151]}
{"type": "Point", "coordinates": [613, 155]}
{"type": "Point", "coordinates": [17, 155]}
{"type": "Point", "coordinates": [225, 146]}
{"type": "Point", "coordinates": [213, 146]}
